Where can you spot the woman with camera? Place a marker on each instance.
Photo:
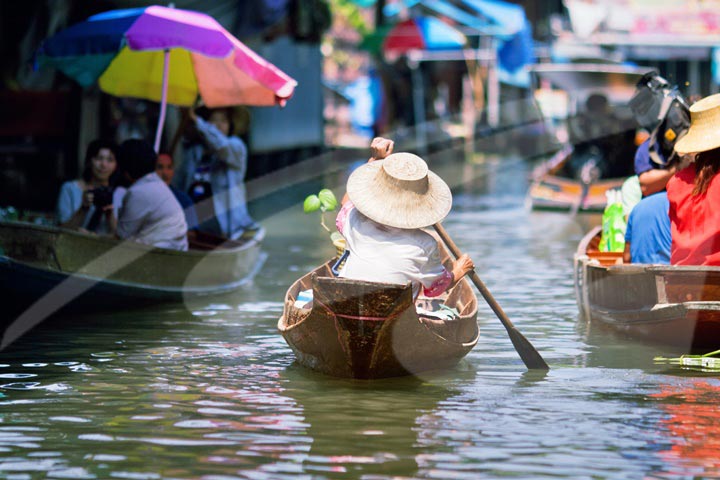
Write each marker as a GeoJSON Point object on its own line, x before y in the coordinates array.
{"type": "Point", "coordinates": [88, 202]}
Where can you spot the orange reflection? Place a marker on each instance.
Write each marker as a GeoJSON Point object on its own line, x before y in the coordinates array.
{"type": "Point", "coordinates": [694, 426]}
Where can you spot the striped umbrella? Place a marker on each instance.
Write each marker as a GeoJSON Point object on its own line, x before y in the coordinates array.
{"type": "Point", "coordinates": [165, 55]}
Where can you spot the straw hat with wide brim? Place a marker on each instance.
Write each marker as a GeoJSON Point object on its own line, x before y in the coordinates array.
{"type": "Point", "coordinates": [400, 191]}
{"type": "Point", "coordinates": [704, 132]}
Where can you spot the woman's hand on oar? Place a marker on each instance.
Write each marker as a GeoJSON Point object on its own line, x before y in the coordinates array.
{"type": "Point", "coordinates": [522, 345]}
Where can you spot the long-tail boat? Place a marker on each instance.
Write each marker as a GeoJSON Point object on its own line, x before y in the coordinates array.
{"type": "Point", "coordinates": [360, 329]}
{"type": "Point", "coordinates": [597, 156]}
{"type": "Point", "coordinates": [88, 271]}
{"type": "Point", "coordinates": [669, 304]}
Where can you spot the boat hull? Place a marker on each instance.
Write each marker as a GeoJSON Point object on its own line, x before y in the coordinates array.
{"type": "Point", "coordinates": [371, 330]}
{"type": "Point", "coordinates": [93, 272]}
{"type": "Point", "coordinates": [563, 194]}
{"type": "Point", "coordinates": [672, 305]}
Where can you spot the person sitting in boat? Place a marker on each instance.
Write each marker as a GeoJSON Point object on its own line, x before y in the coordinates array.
{"type": "Point", "coordinates": [647, 235]}
{"type": "Point", "coordinates": [694, 191]}
{"type": "Point", "coordinates": [150, 213]}
{"type": "Point", "coordinates": [213, 174]}
{"type": "Point", "coordinates": [601, 139]}
{"type": "Point", "coordinates": [88, 202]}
{"type": "Point", "coordinates": [165, 168]}
{"type": "Point", "coordinates": [389, 201]}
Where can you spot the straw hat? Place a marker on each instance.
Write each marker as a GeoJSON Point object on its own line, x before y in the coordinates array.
{"type": "Point", "coordinates": [399, 191]}
{"type": "Point", "coordinates": [704, 132]}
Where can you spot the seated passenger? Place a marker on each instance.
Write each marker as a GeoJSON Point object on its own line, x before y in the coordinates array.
{"type": "Point", "coordinates": [388, 203]}
{"type": "Point", "coordinates": [88, 202]}
{"type": "Point", "coordinates": [694, 191]}
{"type": "Point", "coordinates": [165, 168]}
{"type": "Point", "coordinates": [150, 213]}
{"type": "Point", "coordinates": [647, 236]}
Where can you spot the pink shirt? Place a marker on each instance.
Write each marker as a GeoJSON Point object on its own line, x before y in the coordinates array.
{"type": "Point", "coordinates": [394, 255]}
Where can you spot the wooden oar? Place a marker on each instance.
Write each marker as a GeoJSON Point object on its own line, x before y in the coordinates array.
{"type": "Point", "coordinates": [525, 349]}
{"type": "Point", "coordinates": [585, 190]}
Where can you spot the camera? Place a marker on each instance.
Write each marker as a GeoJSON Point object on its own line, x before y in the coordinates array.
{"type": "Point", "coordinates": [102, 196]}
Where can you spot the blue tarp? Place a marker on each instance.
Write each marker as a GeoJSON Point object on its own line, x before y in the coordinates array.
{"type": "Point", "coordinates": [505, 21]}
{"type": "Point", "coordinates": [510, 18]}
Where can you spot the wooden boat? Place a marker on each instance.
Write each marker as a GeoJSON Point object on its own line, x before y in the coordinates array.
{"type": "Point", "coordinates": [674, 305]}
{"type": "Point", "coordinates": [99, 273]}
{"type": "Point", "coordinates": [560, 183]}
{"type": "Point", "coordinates": [550, 191]}
{"type": "Point", "coordinates": [361, 329]}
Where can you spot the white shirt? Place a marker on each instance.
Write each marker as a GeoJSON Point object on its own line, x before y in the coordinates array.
{"type": "Point", "coordinates": [379, 253]}
{"type": "Point", "coordinates": [151, 214]}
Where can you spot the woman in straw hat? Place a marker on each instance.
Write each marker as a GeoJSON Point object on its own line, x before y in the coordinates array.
{"type": "Point", "coordinates": [389, 201]}
{"type": "Point", "coordinates": [694, 191]}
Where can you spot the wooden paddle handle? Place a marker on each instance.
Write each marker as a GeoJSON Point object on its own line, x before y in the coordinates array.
{"type": "Point", "coordinates": [525, 349]}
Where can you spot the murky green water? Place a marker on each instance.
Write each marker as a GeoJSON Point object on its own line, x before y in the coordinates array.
{"type": "Point", "coordinates": [209, 390]}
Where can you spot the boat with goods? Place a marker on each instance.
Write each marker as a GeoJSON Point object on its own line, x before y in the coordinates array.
{"type": "Point", "coordinates": [675, 305]}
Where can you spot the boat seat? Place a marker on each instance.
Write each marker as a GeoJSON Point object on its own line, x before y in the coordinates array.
{"type": "Point", "coordinates": [627, 268]}
{"type": "Point", "coordinates": [606, 258]}
{"type": "Point", "coordinates": [360, 298]}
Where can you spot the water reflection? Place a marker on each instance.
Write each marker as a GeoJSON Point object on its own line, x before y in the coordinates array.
{"type": "Point", "coordinates": [692, 425]}
{"type": "Point", "coordinates": [365, 428]}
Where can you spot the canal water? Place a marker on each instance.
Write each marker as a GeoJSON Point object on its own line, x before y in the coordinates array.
{"type": "Point", "coordinates": [208, 389]}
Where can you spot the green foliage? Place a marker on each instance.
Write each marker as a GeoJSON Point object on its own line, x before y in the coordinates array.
{"type": "Point", "coordinates": [328, 201]}
{"type": "Point", "coordinates": [324, 201]}
{"type": "Point", "coordinates": [351, 12]}
{"type": "Point", "coordinates": [311, 204]}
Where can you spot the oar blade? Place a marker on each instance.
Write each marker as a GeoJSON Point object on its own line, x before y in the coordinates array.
{"type": "Point", "coordinates": [529, 355]}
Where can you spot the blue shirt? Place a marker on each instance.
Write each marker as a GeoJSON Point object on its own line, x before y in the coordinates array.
{"type": "Point", "coordinates": [648, 230]}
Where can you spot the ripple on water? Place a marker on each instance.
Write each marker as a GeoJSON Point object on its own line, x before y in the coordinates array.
{"type": "Point", "coordinates": [216, 395]}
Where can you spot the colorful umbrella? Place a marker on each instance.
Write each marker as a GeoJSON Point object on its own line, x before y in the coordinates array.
{"type": "Point", "coordinates": [165, 55]}
{"type": "Point", "coordinates": [422, 33]}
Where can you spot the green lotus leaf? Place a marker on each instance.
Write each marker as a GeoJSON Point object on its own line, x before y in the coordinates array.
{"type": "Point", "coordinates": [327, 200]}
{"type": "Point", "coordinates": [311, 204]}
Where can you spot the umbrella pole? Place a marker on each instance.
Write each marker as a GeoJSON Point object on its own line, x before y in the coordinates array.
{"type": "Point", "coordinates": [163, 100]}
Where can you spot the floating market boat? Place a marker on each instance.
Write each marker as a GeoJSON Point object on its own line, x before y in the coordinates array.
{"type": "Point", "coordinates": [361, 329]}
{"type": "Point", "coordinates": [101, 273]}
{"type": "Point", "coordinates": [669, 304]}
{"type": "Point", "coordinates": [550, 191]}
{"type": "Point", "coordinates": [601, 143]}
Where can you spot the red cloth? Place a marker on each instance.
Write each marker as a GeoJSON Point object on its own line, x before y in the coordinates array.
{"type": "Point", "coordinates": [695, 220]}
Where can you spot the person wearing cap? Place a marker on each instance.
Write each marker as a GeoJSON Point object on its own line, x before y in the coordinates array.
{"type": "Point", "coordinates": [694, 191]}
{"type": "Point", "coordinates": [389, 201]}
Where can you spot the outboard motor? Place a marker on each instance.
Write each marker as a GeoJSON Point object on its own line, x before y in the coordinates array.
{"type": "Point", "coordinates": [662, 110]}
